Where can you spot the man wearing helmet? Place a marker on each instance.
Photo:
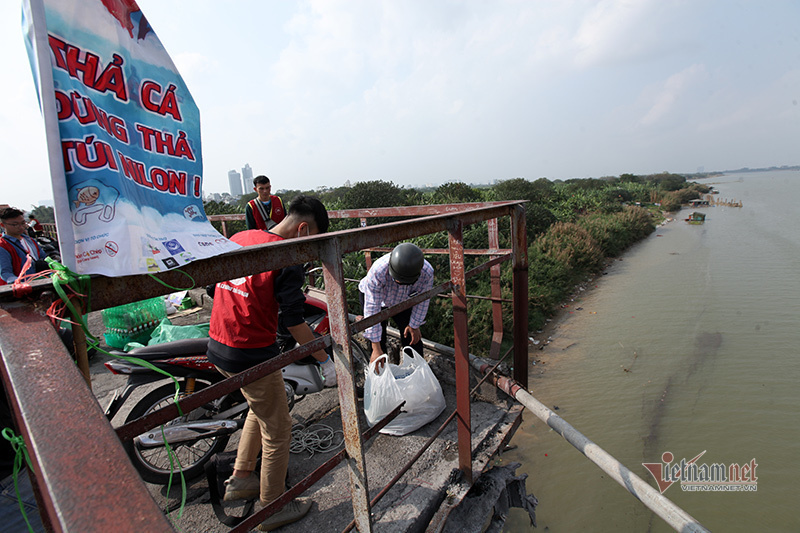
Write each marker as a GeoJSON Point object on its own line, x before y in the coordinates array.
{"type": "Point", "coordinates": [394, 278]}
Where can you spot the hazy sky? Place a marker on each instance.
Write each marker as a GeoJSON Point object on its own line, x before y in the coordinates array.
{"type": "Point", "coordinates": [318, 92]}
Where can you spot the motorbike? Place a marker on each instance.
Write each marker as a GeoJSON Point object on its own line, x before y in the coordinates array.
{"type": "Point", "coordinates": [198, 435]}
{"type": "Point", "coordinates": [48, 245]}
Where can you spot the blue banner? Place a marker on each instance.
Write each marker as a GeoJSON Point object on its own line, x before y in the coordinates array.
{"type": "Point", "coordinates": [129, 171]}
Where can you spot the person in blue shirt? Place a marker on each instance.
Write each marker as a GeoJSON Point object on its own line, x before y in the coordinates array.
{"type": "Point", "coordinates": [16, 246]}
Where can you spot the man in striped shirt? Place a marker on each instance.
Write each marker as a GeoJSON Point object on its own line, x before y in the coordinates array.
{"type": "Point", "coordinates": [394, 278]}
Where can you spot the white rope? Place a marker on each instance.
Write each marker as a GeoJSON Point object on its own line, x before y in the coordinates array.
{"type": "Point", "coordinates": [316, 438]}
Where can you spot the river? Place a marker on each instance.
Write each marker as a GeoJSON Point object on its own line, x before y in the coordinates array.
{"type": "Point", "coordinates": [689, 343]}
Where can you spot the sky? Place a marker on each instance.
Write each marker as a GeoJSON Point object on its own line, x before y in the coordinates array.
{"type": "Point", "coordinates": [317, 93]}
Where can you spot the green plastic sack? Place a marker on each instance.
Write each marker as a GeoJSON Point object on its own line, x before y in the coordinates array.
{"type": "Point", "coordinates": [133, 322]}
{"type": "Point", "coordinates": [166, 332]}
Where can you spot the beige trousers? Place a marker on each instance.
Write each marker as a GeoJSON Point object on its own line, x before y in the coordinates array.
{"type": "Point", "coordinates": [268, 427]}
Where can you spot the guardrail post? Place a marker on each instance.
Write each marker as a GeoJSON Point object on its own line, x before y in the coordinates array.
{"type": "Point", "coordinates": [497, 306]}
{"type": "Point", "coordinates": [331, 256]}
{"type": "Point", "coordinates": [461, 344]}
{"type": "Point", "coordinates": [520, 281]}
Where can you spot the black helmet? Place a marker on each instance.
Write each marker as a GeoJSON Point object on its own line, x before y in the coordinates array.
{"type": "Point", "coordinates": [405, 263]}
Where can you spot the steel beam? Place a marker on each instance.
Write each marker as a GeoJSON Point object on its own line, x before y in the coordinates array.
{"type": "Point", "coordinates": [87, 482]}
{"type": "Point", "coordinates": [520, 281]}
{"type": "Point", "coordinates": [497, 294]}
{"type": "Point", "coordinates": [109, 292]}
{"type": "Point", "coordinates": [461, 343]}
{"type": "Point", "coordinates": [331, 256]}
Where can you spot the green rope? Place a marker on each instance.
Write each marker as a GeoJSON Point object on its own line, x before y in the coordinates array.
{"type": "Point", "coordinates": [20, 451]}
{"type": "Point", "coordinates": [171, 470]}
{"type": "Point", "coordinates": [175, 288]}
{"type": "Point", "coordinates": [81, 284]}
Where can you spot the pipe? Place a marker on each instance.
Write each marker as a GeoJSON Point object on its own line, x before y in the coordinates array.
{"type": "Point", "coordinates": [673, 515]}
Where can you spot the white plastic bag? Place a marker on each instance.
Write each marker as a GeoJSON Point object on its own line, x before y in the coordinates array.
{"type": "Point", "coordinates": [412, 381]}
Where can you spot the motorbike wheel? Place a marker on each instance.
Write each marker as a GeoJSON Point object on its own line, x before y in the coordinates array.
{"type": "Point", "coordinates": [153, 464]}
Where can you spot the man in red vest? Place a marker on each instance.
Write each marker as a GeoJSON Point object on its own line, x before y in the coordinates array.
{"type": "Point", "coordinates": [244, 322]}
{"type": "Point", "coordinates": [266, 210]}
{"type": "Point", "coordinates": [16, 246]}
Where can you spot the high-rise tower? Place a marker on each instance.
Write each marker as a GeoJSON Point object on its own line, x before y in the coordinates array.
{"type": "Point", "coordinates": [247, 177]}
{"type": "Point", "coordinates": [235, 183]}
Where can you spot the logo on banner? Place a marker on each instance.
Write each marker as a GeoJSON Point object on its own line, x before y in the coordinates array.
{"type": "Point", "coordinates": [169, 262]}
{"type": "Point", "coordinates": [173, 247]}
{"type": "Point", "coordinates": [191, 212]}
{"type": "Point", "coordinates": [112, 248]}
{"type": "Point", "coordinates": [694, 477]}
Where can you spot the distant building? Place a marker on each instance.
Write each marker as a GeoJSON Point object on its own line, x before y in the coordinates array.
{"type": "Point", "coordinates": [247, 177]}
{"type": "Point", "coordinates": [235, 183]}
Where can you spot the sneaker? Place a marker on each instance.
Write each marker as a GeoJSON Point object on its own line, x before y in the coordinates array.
{"type": "Point", "coordinates": [291, 512]}
{"type": "Point", "coordinates": [237, 488]}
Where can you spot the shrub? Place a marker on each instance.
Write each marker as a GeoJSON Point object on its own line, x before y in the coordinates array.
{"type": "Point", "coordinates": [670, 202]}
{"type": "Point", "coordinates": [615, 232]}
{"type": "Point", "coordinates": [571, 245]}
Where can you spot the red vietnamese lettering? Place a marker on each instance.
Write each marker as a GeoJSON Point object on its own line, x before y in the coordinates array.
{"type": "Point", "coordinates": [162, 142]}
{"type": "Point", "coordinates": [160, 178]}
{"type": "Point", "coordinates": [168, 180]}
{"type": "Point", "coordinates": [118, 128]}
{"type": "Point", "coordinates": [112, 79]}
{"type": "Point", "coordinates": [90, 115]}
{"type": "Point", "coordinates": [64, 106]}
{"type": "Point", "coordinates": [66, 146]}
{"type": "Point", "coordinates": [168, 105]}
{"type": "Point", "coordinates": [182, 148]}
{"type": "Point", "coordinates": [87, 68]}
{"type": "Point", "coordinates": [84, 66]}
{"type": "Point", "coordinates": [134, 170]}
{"type": "Point", "coordinates": [86, 112]}
{"type": "Point", "coordinates": [89, 154]}
{"type": "Point", "coordinates": [59, 49]}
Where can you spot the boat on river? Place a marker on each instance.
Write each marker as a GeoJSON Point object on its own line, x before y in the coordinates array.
{"type": "Point", "coordinates": [696, 218]}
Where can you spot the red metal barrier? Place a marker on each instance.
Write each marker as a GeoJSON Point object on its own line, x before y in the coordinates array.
{"type": "Point", "coordinates": [73, 447]}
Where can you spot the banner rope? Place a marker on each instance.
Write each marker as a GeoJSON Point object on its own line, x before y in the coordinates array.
{"type": "Point", "coordinates": [79, 287]}
{"type": "Point", "coordinates": [20, 452]}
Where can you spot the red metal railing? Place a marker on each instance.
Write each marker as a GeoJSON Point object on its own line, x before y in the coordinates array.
{"type": "Point", "coordinates": [74, 449]}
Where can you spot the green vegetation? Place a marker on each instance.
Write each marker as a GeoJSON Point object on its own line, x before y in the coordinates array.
{"type": "Point", "coordinates": [573, 226]}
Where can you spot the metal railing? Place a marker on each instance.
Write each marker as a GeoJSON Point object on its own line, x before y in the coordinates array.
{"type": "Point", "coordinates": [52, 405]}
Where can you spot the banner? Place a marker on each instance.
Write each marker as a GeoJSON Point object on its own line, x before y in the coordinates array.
{"type": "Point", "coordinates": [123, 136]}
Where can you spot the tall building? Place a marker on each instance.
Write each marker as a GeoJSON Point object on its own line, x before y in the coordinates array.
{"type": "Point", "coordinates": [235, 183]}
{"type": "Point", "coordinates": [247, 177]}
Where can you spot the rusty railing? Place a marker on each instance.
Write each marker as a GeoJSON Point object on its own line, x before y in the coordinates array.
{"type": "Point", "coordinates": [86, 483]}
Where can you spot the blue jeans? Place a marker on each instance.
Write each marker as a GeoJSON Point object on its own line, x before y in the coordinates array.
{"type": "Point", "coordinates": [10, 515]}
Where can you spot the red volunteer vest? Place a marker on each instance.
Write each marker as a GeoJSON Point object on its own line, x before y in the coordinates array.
{"type": "Point", "coordinates": [277, 213]}
{"type": "Point", "coordinates": [245, 313]}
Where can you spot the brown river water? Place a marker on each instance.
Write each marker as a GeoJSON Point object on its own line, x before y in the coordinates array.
{"type": "Point", "coordinates": [690, 343]}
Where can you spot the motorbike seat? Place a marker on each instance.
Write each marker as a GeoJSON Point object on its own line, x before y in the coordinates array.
{"type": "Point", "coordinates": [172, 349]}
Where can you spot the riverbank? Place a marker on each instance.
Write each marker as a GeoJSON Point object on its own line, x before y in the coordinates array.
{"type": "Point", "coordinates": [553, 340]}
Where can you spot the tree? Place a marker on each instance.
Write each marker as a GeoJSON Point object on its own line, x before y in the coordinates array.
{"type": "Point", "coordinates": [377, 193]}
{"type": "Point", "coordinates": [456, 193]}
{"type": "Point", "coordinates": [44, 214]}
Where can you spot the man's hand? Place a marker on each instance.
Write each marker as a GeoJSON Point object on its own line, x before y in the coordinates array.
{"type": "Point", "coordinates": [414, 333]}
{"type": "Point", "coordinates": [377, 351]}
{"type": "Point", "coordinates": [329, 373]}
